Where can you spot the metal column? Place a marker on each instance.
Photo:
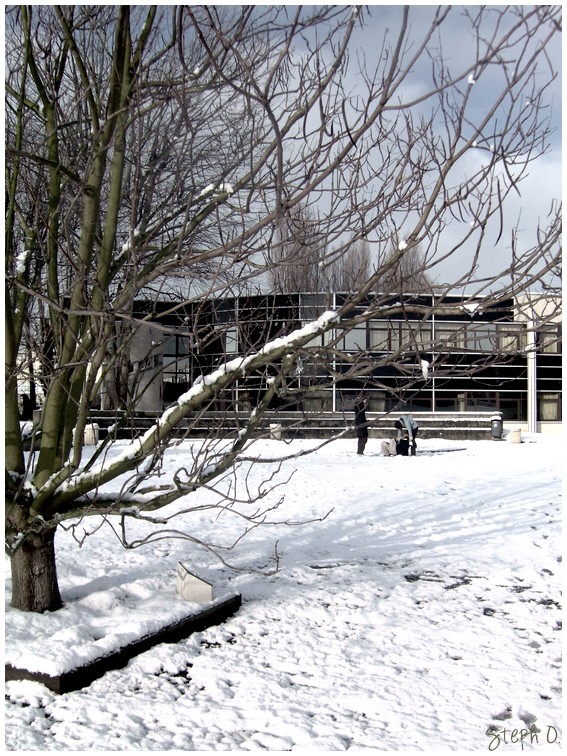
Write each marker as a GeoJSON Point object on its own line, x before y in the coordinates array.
{"type": "Point", "coordinates": [532, 377]}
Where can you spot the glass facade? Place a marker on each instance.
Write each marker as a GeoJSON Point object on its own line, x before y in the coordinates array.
{"type": "Point", "coordinates": [412, 358]}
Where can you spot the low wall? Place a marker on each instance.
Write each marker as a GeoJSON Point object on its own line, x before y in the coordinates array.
{"type": "Point", "coordinates": [451, 425]}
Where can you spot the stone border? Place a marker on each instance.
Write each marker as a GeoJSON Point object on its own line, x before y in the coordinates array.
{"type": "Point", "coordinates": [85, 675]}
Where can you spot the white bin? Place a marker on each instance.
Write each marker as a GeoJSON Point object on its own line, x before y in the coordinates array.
{"type": "Point", "coordinates": [276, 431]}
{"type": "Point", "coordinates": [515, 436]}
{"type": "Point", "coordinates": [90, 437]}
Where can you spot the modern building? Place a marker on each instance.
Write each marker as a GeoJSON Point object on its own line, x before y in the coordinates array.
{"type": "Point", "coordinates": [438, 354]}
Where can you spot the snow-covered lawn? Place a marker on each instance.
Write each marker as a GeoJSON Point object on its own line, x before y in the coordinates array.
{"type": "Point", "coordinates": [423, 613]}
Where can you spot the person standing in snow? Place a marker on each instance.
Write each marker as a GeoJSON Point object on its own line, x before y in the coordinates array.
{"type": "Point", "coordinates": [360, 422]}
{"type": "Point", "coordinates": [407, 429]}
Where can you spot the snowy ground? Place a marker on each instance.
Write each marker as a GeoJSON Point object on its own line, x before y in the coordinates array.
{"type": "Point", "coordinates": [422, 614]}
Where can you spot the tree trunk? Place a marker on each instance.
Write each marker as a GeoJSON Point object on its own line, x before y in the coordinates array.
{"type": "Point", "coordinates": [34, 575]}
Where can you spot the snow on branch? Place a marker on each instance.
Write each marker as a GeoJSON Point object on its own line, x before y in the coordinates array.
{"type": "Point", "coordinates": [197, 394]}
{"type": "Point", "coordinates": [222, 188]}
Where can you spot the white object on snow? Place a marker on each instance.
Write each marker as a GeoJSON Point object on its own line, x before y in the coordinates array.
{"type": "Point", "coordinates": [91, 434]}
{"type": "Point", "coordinates": [276, 431]}
{"type": "Point", "coordinates": [191, 588]}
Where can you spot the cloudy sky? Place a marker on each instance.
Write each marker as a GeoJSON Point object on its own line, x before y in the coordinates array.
{"type": "Point", "coordinates": [456, 44]}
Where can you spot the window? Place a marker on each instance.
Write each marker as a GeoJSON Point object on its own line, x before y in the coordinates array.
{"type": "Point", "coordinates": [482, 339]}
{"type": "Point", "coordinates": [177, 359]}
{"type": "Point", "coordinates": [379, 336]}
{"type": "Point", "coordinates": [231, 341]}
{"type": "Point", "coordinates": [423, 337]}
{"type": "Point", "coordinates": [511, 339]}
{"type": "Point", "coordinates": [313, 306]}
{"type": "Point", "coordinates": [549, 406]}
{"type": "Point", "coordinates": [355, 339]}
{"type": "Point", "coordinates": [176, 346]}
{"type": "Point", "coordinates": [377, 401]}
{"type": "Point", "coordinates": [393, 335]}
{"type": "Point", "coordinates": [549, 340]}
{"type": "Point", "coordinates": [406, 337]}
{"type": "Point", "coordinates": [481, 400]}
{"type": "Point", "coordinates": [414, 336]}
{"type": "Point", "coordinates": [450, 335]}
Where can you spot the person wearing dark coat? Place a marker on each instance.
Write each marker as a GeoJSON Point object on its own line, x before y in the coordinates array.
{"type": "Point", "coordinates": [360, 422]}
{"type": "Point", "coordinates": [407, 431]}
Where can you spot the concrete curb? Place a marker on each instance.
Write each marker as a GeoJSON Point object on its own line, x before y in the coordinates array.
{"type": "Point", "coordinates": [83, 676]}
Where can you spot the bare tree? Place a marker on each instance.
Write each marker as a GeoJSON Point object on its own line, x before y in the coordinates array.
{"type": "Point", "coordinates": [350, 270]}
{"type": "Point", "coordinates": [406, 273]}
{"type": "Point", "coordinates": [300, 261]}
{"type": "Point", "coordinates": [296, 253]}
{"type": "Point", "coordinates": [155, 153]}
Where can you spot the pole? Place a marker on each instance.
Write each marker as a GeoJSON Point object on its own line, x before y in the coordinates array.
{"type": "Point", "coordinates": [532, 377]}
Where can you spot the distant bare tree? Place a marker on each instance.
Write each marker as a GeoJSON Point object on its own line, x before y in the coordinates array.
{"type": "Point", "coordinates": [297, 252]}
{"type": "Point", "coordinates": [351, 269]}
{"type": "Point", "coordinates": [405, 273]}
